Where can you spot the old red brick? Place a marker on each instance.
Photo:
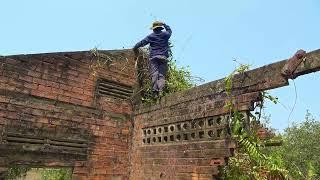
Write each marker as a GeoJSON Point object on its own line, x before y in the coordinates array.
{"type": "Point", "coordinates": [4, 99]}
{"type": "Point", "coordinates": [76, 87]}
{"type": "Point", "coordinates": [34, 74]}
{"type": "Point", "coordinates": [30, 85]}
{"type": "Point", "coordinates": [44, 88]}
{"type": "Point", "coordinates": [64, 98]}
{"type": "Point", "coordinates": [75, 101]}
{"type": "Point", "coordinates": [53, 84]}
{"type": "Point", "coordinates": [65, 87]}
{"type": "Point", "coordinates": [72, 72]}
{"type": "Point", "coordinates": [26, 78]}
{"type": "Point", "coordinates": [2, 113]}
{"type": "Point", "coordinates": [77, 90]}
{"type": "Point", "coordinates": [87, 103]}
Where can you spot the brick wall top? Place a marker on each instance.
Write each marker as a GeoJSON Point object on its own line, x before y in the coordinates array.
{"type": "Point", "coordinates": [65, 76]}
{"type": "Point", "coordinates": [263, 78]}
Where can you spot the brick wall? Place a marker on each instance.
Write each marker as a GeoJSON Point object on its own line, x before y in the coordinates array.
{"type": "Point", "coordinates": [54, 112]}
{"type": "Point", "coordinates": [51, 113]}
{"type": "Point", "coordinates": [184, 136]}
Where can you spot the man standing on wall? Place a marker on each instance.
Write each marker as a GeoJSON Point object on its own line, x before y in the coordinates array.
{"type": "Point", "coordinates": [159, 53]}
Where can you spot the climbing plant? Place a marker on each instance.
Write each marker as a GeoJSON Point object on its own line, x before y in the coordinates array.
{"type": "Point", "coordinates": [249, 162]}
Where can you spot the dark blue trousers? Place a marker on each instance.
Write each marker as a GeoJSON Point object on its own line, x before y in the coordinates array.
{"type": "Point", "coordinates": [158, 71]}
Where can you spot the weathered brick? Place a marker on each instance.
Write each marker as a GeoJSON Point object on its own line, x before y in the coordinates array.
{"type": "Point", "coordinates": [65, 87]}
{"type": "Point", "coordinates": [44, 88]}
{"type": "Point", "coordinates": [34, 74]}
{"type": "Point", "coordinates": [75, 101]}
{"type": "Point", "coordinates": [64, 98]}
{"type": "Point", "coordinates": [37, 112]}
{"type": "Point", "coordinates": [26, 78]}
{"type": "Point", "coordinates": [72, 72]}
{"type": "Point", "coordinates": [11, 115]}
{"type": "Point", "coordinates": [86, 103]}
{"type": "Point", "coordinates": [43, 120]}
{"type": "Point", "coordinates": [4, 99]}
{"type": "Point", "coordinates": [39, 81]}
{"type": "Point", "coordinates": [30, 85]}
{"type": "Point", "coordinates": [2, 113]}
{"type": "Point", "coordinates": [77, 90]}
{"type": "Point", "coordinates": [53, 84]}
{"type": "Point", "coordinates": [57, 91]}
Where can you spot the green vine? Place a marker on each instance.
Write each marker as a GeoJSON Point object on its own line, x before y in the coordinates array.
{"type": "Point", "coordinates": [249, 162]}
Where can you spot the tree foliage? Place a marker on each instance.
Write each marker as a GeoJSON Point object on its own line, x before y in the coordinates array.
{"type": "Point", "coordinates": [300, 152]}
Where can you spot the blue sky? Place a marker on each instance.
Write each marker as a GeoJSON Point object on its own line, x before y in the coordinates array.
{"type": "Point", "coordinates": [207, 35]}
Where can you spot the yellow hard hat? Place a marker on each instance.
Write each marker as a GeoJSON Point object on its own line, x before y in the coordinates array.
{"type": "Point", "coordinates": [157, 24]}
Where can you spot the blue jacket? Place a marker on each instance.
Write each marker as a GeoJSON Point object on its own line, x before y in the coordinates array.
{"type": "Point", "coordinates": [159, 43]}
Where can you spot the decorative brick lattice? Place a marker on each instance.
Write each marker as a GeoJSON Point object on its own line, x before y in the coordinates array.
{"type": "Point", "coordinates": [202, 129]}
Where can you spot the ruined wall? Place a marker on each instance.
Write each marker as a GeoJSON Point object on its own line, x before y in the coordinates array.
{"type": "Point", "coordinates": [54, 112]}
{"type": "Point", "coordinates": [186, 135]}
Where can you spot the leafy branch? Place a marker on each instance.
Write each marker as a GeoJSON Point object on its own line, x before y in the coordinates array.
{"type": "Point", "coordinates": [254, 164]}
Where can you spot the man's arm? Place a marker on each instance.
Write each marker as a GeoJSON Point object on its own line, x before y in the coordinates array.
{"type": "Point", "coordinates": [168, 29]}
{"type": "Point", "coordinates": [142, 43]}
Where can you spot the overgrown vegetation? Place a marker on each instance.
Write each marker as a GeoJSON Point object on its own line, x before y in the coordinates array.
{"type": "Point", "coordinates": [16, 171]}
{"type": "Point", "coordinates": [300, 151]}
{"type": "Point", "coordinates": [55, 173]}
{"type": "Point", "coordinates": [252, 159]}
{"type": "Point", "coordinates": [21, 172]}
{"type": "Point", "coordinates": [103, 60]}
{"type": "Point", "coordinates": [177, 79]}
{"type": "Point", "coordinates": [296, 158]}
{"type": "Point", "coordinates": [249, 161]}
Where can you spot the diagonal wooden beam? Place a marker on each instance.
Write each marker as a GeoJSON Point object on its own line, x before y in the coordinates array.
{"type": "Point", "coordinates": [310, 64]}
{"type": "Point", "coordinates": [271, 76]}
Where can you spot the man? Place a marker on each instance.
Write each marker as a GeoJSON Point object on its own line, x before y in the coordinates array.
{"type": "Point", "coordinates": [159, 53]}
